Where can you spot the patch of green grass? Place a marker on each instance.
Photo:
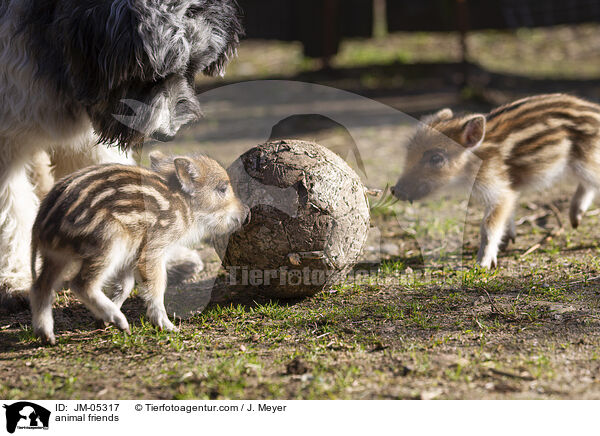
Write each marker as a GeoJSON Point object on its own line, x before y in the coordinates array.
{"type": "Point", "coordinates": [226, 313]}
{"type": "Point", "coordinates": [553, 248]}
{"type": "Point", "coordinates": [271, 310]}
{"type": "Point", "coordinates": [390, 311]}
{"type": "Point", "coordinates": [418, 314]}
{"type": "Point", "coordinates": [223, 379]}
{"type": "Point", "coordinates": [25, 334]}
{"type": "Point", "coordinates": [477, 277]}
{"type": "Point", "coordinates": [369, 54]}
{"type": "Point", "coordinates": [549, 293]}
{"type": "Point", "coordinates": [332, 381]}
{"type": "Point", "coordinates": [392, 267]}
{"type": "Point", "coordinates": [540, 366]}
{"type": "Point", "coordinates": [44, 385]}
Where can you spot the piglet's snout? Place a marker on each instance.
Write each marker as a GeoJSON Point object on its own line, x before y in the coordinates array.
{"type": "Point", "coordinates": [398, 192]}
{"type": "Point", "coordinates": [242, 218]}
{"type": "Point", "coordinates": [410, 191]}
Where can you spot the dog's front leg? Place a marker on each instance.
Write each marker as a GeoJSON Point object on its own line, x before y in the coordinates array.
{"type": "Point", "coordinates": [18, 206]}
{"type": "Point", "coordinates": [69, 158]}
{"type": "Point", "coordinates": [492, 229]}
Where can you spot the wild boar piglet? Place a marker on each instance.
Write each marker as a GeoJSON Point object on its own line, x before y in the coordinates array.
{"type": "Point", "coordinates": [109, 225]}
{"type": "Point", "coordinates": [521, 146]}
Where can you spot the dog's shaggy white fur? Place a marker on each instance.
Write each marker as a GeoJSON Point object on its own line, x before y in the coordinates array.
{"type": "Point", "coordinates": [78, 77]}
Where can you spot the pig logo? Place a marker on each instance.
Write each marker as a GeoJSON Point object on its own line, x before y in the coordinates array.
{"type": "Point", "coordinates": [26, 415]}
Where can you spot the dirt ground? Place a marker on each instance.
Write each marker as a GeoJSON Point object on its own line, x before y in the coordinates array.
{"type": "Point", "coordinates": [422, 323]}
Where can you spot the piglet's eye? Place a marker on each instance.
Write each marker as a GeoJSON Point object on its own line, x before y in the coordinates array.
{"type": "Point", "coordinates": [437, 160]}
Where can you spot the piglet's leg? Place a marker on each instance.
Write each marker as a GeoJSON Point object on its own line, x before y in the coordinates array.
{"type": "Point", "coordinates": [42, 296]}
{"type": "Point", "coordinates": [119, 290]}
{"type": "Point", "coordinates": [494, 223]}
{"type": "Point", "coordinates": [510, 234]}
{"type": "Point", "coordinates": [122, 287]}
{"type": "Point", "coordinates": [580, 203]}
{"type": "Point", "coordinates": [87, 286]}
{"type": "Point", "coordinates": [153, 276]}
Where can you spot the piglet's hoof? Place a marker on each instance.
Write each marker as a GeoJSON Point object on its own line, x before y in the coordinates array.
{"type": "Point", "coordinates": [100, 324]}
{"type": "Point", "coordinates": [506, 240]}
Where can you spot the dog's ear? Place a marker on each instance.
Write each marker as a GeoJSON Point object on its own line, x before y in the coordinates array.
{"type": "Point", "coordinates": [224, 20]}
{"type": "Point", "coordinates": [161, 27]}
{"type": "Point", "coordinates": [214, 29]}
{"type": "Point", "coordinates": [101, 46]}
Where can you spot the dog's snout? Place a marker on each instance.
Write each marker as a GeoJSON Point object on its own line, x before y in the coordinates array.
{"type": "Point", "coordinates": [162, 137]}
{"type": "Point", "coordinates": [393, 190]}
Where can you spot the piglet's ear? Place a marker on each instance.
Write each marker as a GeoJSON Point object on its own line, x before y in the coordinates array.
{"type": "Point", "coordinates": [442, 114]}
{"type": "Point", "coordinates": [186, 171]}
{"type": "Point", "coordinates": [474, 132]}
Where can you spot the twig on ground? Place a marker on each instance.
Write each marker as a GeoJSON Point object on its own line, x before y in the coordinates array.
{"type": "Point", "coordinates": [551, 234]}
{"type": "Point", "coordinates": [497, 310]}
{"type": "Point", "coordinates": [532, 218]}
{"type": "Point", "coordinates": [556, 213]}
{"type": "Point", "coordinates": [590, 279]}
{"type": "Point", "coordinates": [511, 374]}
{"type": "Point", "coordinates": [374, 192]}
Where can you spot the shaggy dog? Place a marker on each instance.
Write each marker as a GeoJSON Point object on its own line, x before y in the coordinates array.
{"type": "Point", "coordinates": [78, 77]}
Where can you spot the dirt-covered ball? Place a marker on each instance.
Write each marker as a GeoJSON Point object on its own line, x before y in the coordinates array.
{"type": "Point", "coordinates": [309, 219]}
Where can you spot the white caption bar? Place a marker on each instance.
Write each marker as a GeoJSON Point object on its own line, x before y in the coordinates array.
{"type": "Point", "coordinates": [263, 418]}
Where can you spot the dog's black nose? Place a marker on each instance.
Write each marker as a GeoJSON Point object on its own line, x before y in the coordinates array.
{"type": "Point", "coordinates": [393, 191]}
{"type": "Point", "coordinates": [162, 137]}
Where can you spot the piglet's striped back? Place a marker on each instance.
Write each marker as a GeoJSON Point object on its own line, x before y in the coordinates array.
{"type": "Point", "coordinates": [81, 206]}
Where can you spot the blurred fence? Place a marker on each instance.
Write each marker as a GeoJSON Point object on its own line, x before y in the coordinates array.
{"type": "Point", "coordinates": [321, 24]}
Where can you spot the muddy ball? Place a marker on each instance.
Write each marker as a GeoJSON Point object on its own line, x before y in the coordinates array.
{"type": "Point", "coordinates": [309, 219]}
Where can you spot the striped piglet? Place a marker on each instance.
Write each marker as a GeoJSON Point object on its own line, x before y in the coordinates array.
{"type": "Point", "coordinates": [524, 145]}
{"type": "Point", "coordinates": [110, 224]}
